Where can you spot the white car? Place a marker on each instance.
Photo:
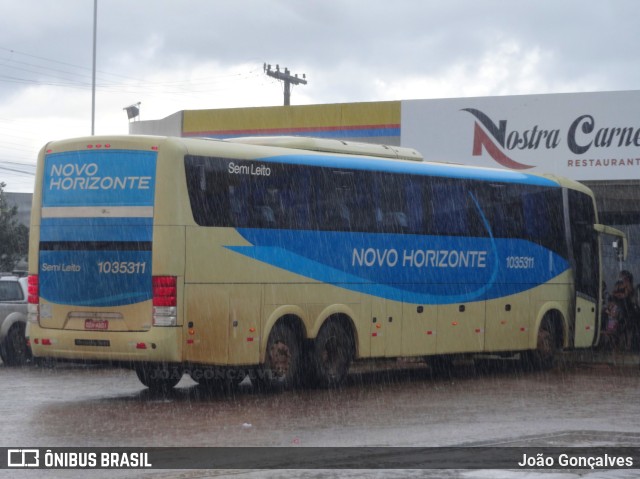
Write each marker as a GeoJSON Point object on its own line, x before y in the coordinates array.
{"type": "Point", "coordinates": [14, 349]}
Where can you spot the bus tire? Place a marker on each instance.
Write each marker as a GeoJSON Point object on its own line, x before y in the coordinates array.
{"type": "Point", "coordinates": [545, 355]}
{"type": "Point", "coordinates": [282, 367]}
{"type": "Point", "coordinates": [332, 354]}
{"type": "Point", "coordinates": [15, 350]}
{"type": "Point", "coordinates": [159, 377]}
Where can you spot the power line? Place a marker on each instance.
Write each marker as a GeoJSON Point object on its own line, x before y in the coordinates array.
{"type": "Point", "coordinates": [82, 80]}
{"type": "Point", "coordinates": [18, 163]}
{"type": "Point", "coordinates": [20, 172]}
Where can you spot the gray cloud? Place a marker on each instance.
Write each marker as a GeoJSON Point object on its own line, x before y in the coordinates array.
{"type": "Point", "coordinates": [161, 52]}
{"type": "Point", "coordinates": [385, 39]}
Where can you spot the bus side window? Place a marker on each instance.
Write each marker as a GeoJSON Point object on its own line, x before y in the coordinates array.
{"type": "Point", "coordinates": [502, 208]}
{"type": "Point", "coordinates": [362, 206]}
{"type": "Point", "coordinates": [413, 196]}
{"type": "Point", "coordinates": [544, 219]}
{"type": "Point", "coordinates": [211, 192]}
{"type": "Point", "coordinates": [334, 198]}
{"type": "Point", "coordinates": [448, 213]}
{"type": "Point", "coordinates": [264, 207]}
{"type": "Point", "coordinates": [263, 217]}
{"type": "Point", "coordinates": [336, 212]}
{"type": "Point", "coordinates": [297, 195]}
{"type": "Point", "coordinates": [391, 205]}
{"type": "Point", "coordinates": [237, 207]}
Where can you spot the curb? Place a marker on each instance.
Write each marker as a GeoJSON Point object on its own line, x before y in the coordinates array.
{"type": "Point", "coordinates": [611, 358]}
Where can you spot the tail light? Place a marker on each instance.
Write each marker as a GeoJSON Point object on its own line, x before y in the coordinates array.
{"type": "Point", "coordinates": [165, 300]}
{"type": "Point", "coordinates": [32, 289]}
{"type": "Point", "coordinates": [33, 299]}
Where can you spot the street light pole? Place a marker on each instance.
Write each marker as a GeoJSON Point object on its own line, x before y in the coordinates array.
{"type": "Point", "coordinates": [93, 83]}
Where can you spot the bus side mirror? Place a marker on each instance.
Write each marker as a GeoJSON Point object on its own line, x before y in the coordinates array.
{"type": "Point", "coordinates": [620, 244]}
{"type": "Point", "coordinates": [619, 250]}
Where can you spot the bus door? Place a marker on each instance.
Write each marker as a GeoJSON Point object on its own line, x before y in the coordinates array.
{"type": "Point", "coordinates": [585, 259]}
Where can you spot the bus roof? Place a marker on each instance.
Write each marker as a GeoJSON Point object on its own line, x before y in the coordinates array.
{"type": "Point", "coordinates": [360, 154]}
{"type": "Point", "coordinates": [332, 146]}
{"type": "Point", "coordinates": [322, 152]}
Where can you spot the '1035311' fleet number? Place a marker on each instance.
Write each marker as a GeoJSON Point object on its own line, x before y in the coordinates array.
{"type": "Point", "coordinates": [520, 262]}
{"type": "Point", "coordinates": [122, 267]}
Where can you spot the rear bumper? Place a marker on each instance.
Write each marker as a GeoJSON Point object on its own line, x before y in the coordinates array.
{"type": "Point", "coordinates": [155, 345]}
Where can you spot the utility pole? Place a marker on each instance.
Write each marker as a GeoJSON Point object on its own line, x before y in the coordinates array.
{"type": "Point", "coordinates": [287, 78]}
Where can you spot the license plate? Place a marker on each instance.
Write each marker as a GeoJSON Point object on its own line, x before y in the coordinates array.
{"type": "Point", "coordinates": [96, 324]}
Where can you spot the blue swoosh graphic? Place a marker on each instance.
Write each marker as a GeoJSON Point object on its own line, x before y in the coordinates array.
{"type": "Point", "coordinates": [393, 266]}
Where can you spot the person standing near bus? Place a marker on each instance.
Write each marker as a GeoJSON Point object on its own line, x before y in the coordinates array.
{"type": "Point", "coordinates": [624, 294]}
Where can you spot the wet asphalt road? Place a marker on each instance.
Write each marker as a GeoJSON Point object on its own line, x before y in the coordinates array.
{"type": "Point", "coordinates": [580, 404]}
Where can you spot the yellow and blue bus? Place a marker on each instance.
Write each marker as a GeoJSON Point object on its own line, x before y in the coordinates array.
{"type": "Point", "coordinates": [294, 257]}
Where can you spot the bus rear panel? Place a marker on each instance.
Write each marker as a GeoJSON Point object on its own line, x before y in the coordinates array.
{"type": "Point", "coordinates": [95, 274]}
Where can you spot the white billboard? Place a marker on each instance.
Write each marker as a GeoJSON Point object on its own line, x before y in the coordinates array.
{"type": "Point", "coordinates": [583, 136]}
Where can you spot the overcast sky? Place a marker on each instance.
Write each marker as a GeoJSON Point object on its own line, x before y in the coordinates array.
{"type": "Point", "coordinates": [200, 54]}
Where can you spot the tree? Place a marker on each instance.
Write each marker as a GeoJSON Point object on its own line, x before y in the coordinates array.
{"type": "Point", "coordinates": [14, 236]}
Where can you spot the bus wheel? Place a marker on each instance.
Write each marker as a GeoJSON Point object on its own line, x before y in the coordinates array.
{"type": "Point", "coordinates": [282, 362]}
{"type": "Point", "coordinates": [332, 354]}
{"type": "Point", "coordinates": [545, 355]}
{"type": "Point", "coordinates": [15, 350]}
{"type": "Point", "coordinates": [159, 377]}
